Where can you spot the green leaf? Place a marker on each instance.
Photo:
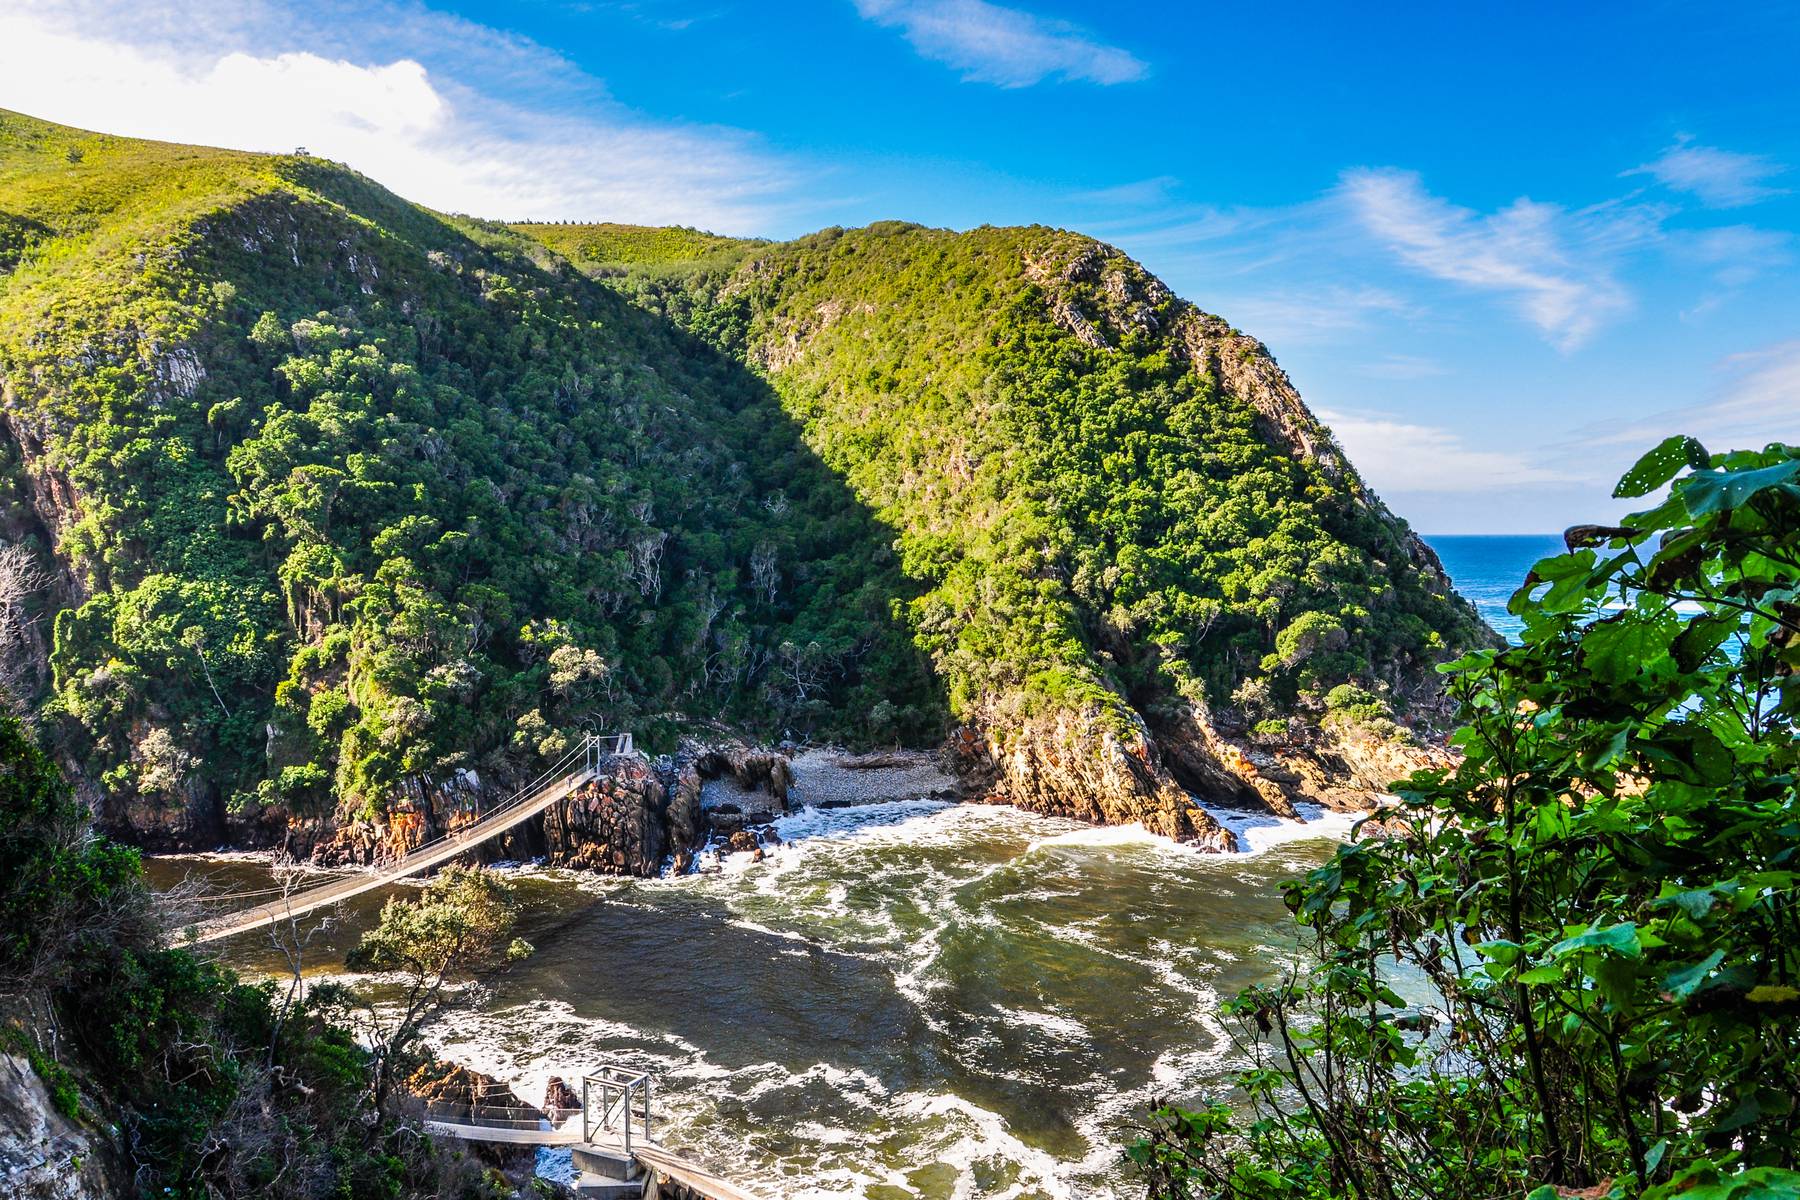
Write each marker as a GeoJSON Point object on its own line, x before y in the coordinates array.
{"type": "Point", "coordinates": [1695, 644]}
{"type": "Point", "coordinates": [1696, 903]}
{"type": "Point", "coordinates": [1707, 492]}
{"type": "Point", "coordinates": [1499, 950]}
{"type": "Point", "coordinates": [1681, 983]}
{"type": "Point", "coordinates": [1660, 465]}
{"type": "Point", "coordinates": [1618, 648]}
{"type": "Point", "coordinates": [1621, 939]}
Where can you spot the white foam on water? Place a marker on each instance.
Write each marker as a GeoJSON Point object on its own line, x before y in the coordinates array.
{"type": "Point", "coordinates": [982, 1135]}
{"type": "Point", "coordinates": [1107, 835]}
{"type": "Point", "coordinates": [857, 819]}
{"type": "Point", "coordinates": [1259, 833]}
{"type": "Point", "coordinates": [1056, 1024]}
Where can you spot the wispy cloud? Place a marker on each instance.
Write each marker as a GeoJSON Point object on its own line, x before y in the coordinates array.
{"type": "Point", "coordinates": [1141, 193]}
{"type": "Point", "coordinates": [1756, 401]}
{"type": "Point", "coordinates": [454, 115]}
{"type": "Point", "coordinates": [1285, 317]}
{"type": "Point", "coordinates": [1720, 178]}
{"type": "Point", "coordinates": [1007, 47]}
{"type": "Point", "coordinates": [1402, 366]}
{"type": "Point", "coordinates": [1400, 456]}
{"type": "Point", "coordinates": [1736, 254]}
{"type": "Point", "coordinates": [1553, 263]}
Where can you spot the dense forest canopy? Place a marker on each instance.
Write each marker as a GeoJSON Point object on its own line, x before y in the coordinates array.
{"type": "Point", "coordinates": [1114, 504]}
{"type": "Point", "coordinates": [349, 501]}
{"type": "Point", "coordinates": [352, 497]}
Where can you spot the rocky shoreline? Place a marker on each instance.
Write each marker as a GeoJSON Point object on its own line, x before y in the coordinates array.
{"type": "Point", "coordinates": [686, 811]}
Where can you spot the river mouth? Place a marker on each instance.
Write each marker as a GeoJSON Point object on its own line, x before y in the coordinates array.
{"type": "Point", "coordinates": [907, 999]}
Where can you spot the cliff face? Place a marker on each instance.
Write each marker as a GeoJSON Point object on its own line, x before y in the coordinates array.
{"type": "Point", "coordinates": [1071, 764]}
{"type": "Point", "coordinates": [1139, 553]}
{"type": "Point", "coordinates": [43, 1154]}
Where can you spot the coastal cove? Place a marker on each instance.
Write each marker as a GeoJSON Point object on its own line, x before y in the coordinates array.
{"type": "Point", "coordinates": [906, 998]}
{"type": "Point", "coordinates": [641, 601]}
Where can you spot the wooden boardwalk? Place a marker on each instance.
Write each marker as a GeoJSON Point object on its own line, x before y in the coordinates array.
{"type": "Point", "coordinates": [607, 1167]}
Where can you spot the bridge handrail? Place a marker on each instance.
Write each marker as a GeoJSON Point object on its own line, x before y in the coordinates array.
{"type": "Point", "coordinates": [618, 1084]}
{"type": "Point", "coordinates": [496, 1116]}
{"type": "Point", "coordinates": [585, 751]}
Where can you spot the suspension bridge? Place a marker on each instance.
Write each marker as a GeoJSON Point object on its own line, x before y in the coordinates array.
{"type": "Point", "coordinates": [586, 761]}
{"type": "Point", "coordinates": [609, 1136]}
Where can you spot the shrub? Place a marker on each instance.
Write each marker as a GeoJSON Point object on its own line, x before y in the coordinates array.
{"type": "Point", "coordinates": [1573, 963]}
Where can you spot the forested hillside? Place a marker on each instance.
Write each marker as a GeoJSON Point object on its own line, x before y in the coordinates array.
{"type": "Point", "coordinates": [1132, 536]}
{"type": "Point", "coordinates": [343, 506]}
{"type": "Point", "coordinates": [347, 500]}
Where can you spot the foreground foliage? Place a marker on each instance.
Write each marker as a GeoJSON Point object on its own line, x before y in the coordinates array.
{"type": "Point", "coordinates": [1574, 963]}
{"type": "Point", "coordinates": [201, 1085]}
{"type": "Point", "coordinates": [459, 926]}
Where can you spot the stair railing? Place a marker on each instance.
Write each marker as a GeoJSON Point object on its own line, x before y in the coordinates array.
{"type": "Point", "coordinates": [614, 1098]}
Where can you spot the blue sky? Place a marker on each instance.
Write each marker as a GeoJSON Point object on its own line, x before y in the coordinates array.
{"type": "Point", "coordinates": [1501, 248]}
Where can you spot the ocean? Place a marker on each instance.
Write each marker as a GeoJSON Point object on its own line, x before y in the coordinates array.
{"type": "Point", "coordinates": [1489, 568]}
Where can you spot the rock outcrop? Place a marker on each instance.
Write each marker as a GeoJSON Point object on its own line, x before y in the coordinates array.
{"type": "Point", "coordinates": [1072, 765]}
{"type": "Point", "coordinates": [617, 825]}
{"type": "Point", "coordinates": [451, 1084]}
{"type": "Point", "coordinates": [43, 1154]}
{"type": "Point", "coordinates": [450, 1091]}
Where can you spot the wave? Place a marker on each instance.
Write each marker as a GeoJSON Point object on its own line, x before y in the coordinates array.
{"type": "Point", "coordinates": [1259, 833]}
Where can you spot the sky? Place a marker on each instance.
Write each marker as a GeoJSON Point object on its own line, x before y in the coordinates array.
{"type": "Point", "coordinates": [1502, 249]}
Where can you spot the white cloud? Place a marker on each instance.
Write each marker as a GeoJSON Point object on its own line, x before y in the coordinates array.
{"type": "Point", "coordinates": [1399, 456]}
{"type": "Point", "coordinates": [1007, 47]}
{"type": "Point", "coordinates": [1735, 253]}
{"type": "Point", "coordinates": [1721, 178]}
{"type": "Point", "coordinates": [1551, 262]}
{"type": "Point", "coordinates": [360, 88]}
{"type": "Point", "coordinates": [1756, 401]}
{"type": "Point", "coordinates": [1317, 313]}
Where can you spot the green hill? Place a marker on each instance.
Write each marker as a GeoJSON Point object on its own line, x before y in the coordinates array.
{"type": "Point", "coordinates": [353, 504]}
{"type": "Point", "coordinates": [1129, 530]}
{"type": "Point", "coordinates": [350, 498]}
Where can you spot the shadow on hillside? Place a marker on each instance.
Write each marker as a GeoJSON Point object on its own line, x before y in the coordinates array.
{"type": "Point", "coordinates": [839, 656]}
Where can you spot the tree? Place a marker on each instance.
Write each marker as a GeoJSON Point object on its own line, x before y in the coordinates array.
{"type": "Point", "coordinates": [1574, 962]}
{"type": "Point", "coordinates": [59, 884]}
{"type": "Point", "coordinates": [21, 646]}
{"type": "Point", "coordinates": [461, 925]}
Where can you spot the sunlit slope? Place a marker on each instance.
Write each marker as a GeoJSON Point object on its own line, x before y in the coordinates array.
{"type": "Point", "coordinates": [1127, 524]}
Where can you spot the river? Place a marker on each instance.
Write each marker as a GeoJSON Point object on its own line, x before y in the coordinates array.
{"type": "Point", "coordinates": [901, 1000]}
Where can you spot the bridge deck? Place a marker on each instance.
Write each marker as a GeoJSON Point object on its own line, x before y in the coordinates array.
{"type": "Point", "coordinates": [568, 1135]}
{"type": "Point", "coordinates": [430, 855]}
{"type": "Point", "coordinates": [649, 1154]}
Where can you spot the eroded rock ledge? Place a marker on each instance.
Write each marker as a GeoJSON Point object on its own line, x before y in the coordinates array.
{"type": "Point", "coordinates": [724, 796]}
{"type": "Point", "coordinates": [1081, 766]}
